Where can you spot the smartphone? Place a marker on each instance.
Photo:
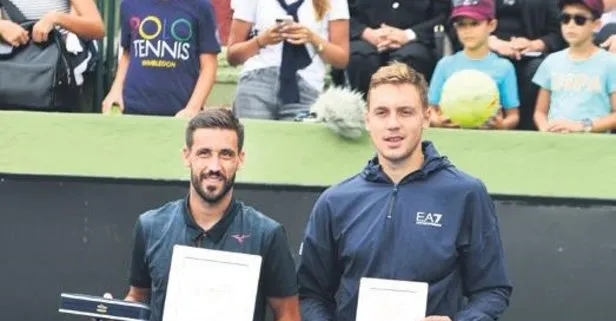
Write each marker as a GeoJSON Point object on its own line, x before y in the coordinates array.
{"type": "Point", "coordinates": [284, 20]}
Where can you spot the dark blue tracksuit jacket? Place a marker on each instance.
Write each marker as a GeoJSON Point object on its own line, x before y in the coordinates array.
{"type": "Point", "coordinates": [438, 225]}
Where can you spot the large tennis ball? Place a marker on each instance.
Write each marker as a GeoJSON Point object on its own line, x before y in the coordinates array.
{"type": "Point", "coordinates": [469, 98]}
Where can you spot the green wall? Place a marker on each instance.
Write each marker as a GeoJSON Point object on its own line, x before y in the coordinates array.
{"type": "Point", "coordinates": [511, 163]}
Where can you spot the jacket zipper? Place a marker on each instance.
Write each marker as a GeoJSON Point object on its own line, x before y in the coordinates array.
{"type": "Point", "coordinates": [392, 201]}
{"type": "Point", "coordinates": [395, 193]}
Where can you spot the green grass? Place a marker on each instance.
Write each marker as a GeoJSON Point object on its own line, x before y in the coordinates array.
{"type": "Point", "coordinates": [511, 163]}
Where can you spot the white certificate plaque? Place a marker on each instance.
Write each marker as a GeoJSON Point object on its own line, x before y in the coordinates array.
{"type": "Point", "coordinates": [391, 300]}
{"type": "Point", "coordinates": [211, 285]}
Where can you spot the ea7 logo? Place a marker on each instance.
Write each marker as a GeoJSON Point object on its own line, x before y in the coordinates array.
{"type": "Point", "coordinates": [429, 219]}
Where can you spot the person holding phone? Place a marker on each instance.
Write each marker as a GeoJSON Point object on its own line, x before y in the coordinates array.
{"type": "Point", "coordinates": [284, 48]}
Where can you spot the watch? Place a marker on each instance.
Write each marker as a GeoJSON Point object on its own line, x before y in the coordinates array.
{"type": "Point", "coordinates": [320, 47]}
{"type": "Point", "coordinates": [587, 123]}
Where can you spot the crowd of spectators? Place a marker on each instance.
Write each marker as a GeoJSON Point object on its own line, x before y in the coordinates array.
{"type": "Point", "coordinates": [552, 60]}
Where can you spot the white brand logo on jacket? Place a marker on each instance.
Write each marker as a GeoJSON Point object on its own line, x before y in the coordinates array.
{"type": "Point", "coordinates": [429, 219]}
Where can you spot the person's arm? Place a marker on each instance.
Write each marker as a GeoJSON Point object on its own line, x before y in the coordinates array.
{"type": "Point", "coordinates": [553, 40]}
{"type": "Point", "coordinates": [239, 46]}
{"type": "Point", "coordinates": [208, 63]}
{"type": "Point", "coordinates": [140, 281]}
{"type": "Point", "coordinates": [13, 33]}
{"type": "Point", "coordinates": [209, 47]}
{"type": "Point", "coordinates": [541, 110]}
{"type": "Point", "coordinates": [85, 21]}
{"type": "Point", "coordinates": [437, 119]}
{"type": "Point", "coordinates": [439, 12]}
{"type": "Point", "coordinates": [485, 281]}
{"type": "Point", "coordinates": [279, 277]}
{"type": "Point", "coordinates": [318, 272]}
{"type": "Point", "coordinates": [603, 124]}
{"type": "Point", "coordinates": [285, 309]}
{"type": "Point", "coordinates": [608, 122]}
{"type": "Point", "coordinates": [336, 48]}
{"type": "Point", "coordinates": [495, 42]}
{"type": "Point", "coordinates": [114, 96]}
{"type": "Point", "coordinates": [510, 100]}
{"type": "Point", "coordinates": [335, 51]}
{"type": "Point", "coordinates": [356, 26]}
{"type": "Point", "coordinates": [542, 78]}
{"type": "Point", "coordinates": [512, 118]}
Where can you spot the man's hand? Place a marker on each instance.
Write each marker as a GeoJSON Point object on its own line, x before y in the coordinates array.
{"type": "Point", "coordinates": [13, 33]}
{"type": "Point", "coordinates": [505, 48]}
{"type": "Point", "coordinates": [565, 126]}
{"type": "Point", "coordinates": [394, 38]}
{"type": "Point", "coordinates": [43, 27]}
{"type": "Point", "coordinates": [398, 36]}
{"type": "Point", "coordinates": [437, 318]}
{"type": "Point", "coordinates": [297, 34]}
{"type": "Point", "coordinates": [187, 113]}
{"type": "Point", "coordinates": [610, 44]}
{"type": "Point", "coordinates": [374, 36]}
{"type": "Point", "coordinates": [520, 43]}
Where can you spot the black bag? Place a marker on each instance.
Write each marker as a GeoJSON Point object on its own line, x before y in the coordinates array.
{"type": "Point", "coordinates": [36, 76]}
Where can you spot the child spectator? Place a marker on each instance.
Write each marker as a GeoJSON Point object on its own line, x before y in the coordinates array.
{"type": "Point", "coordinates": [168, 61]}
{"type": "Point", "coordinates": [474, 21]}
{"type": "Point", "coordinates": [577, 83]}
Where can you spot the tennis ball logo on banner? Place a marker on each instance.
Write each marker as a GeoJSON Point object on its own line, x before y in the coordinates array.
{"type": "Point", "coordinates": [469, 98]}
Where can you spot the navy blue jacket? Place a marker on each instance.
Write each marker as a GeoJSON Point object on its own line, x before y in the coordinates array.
{"type": "Point", "coordinates": [438, 225]}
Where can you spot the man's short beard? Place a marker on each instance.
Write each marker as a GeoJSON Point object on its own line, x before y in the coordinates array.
{"type": "Point", "coordinates": [211, 199]}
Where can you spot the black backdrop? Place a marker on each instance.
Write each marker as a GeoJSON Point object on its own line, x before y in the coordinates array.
{"type": "Point", "coordinates": [60, 234]}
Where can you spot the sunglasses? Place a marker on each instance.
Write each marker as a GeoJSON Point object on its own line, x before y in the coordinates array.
{"type": "Point", "coordinates": [579, 20]}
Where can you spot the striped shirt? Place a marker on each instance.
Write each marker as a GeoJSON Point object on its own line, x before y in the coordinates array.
{"type": "Point", "coordinates": [36, 9]}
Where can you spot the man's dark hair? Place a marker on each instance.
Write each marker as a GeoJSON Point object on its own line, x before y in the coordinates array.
{"type": "Point", "coordinates": [215, 118]}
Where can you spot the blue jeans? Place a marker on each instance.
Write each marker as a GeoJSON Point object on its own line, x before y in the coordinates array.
{"type": "Point", "coordinates": [257, 96]}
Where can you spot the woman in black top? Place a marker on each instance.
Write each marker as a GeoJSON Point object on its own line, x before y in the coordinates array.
{"type": "Point", "coordinates": [527, 31]}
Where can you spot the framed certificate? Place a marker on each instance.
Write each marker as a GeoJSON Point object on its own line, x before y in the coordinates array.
{"type": "Point", "coordinates": [211, 285]}
{"type": "Point", "coordinates": [391, 300]}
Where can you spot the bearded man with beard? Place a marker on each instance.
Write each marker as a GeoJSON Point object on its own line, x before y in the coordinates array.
{"type": "Point", "coordinates": [210, 217]}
